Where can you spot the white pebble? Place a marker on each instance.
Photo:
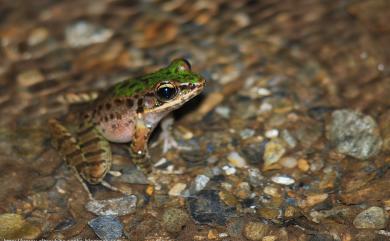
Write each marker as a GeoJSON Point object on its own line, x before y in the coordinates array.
{"type": "Point", "coordinates": [272, 133]}
{"type": "Point", "coordinates": [284, 180]}
{"type": "Point", "coordinates": [201, 182]}
{"type": "Point", "coordinates": [236, 160]}
{"type": "Point", "coordinates": [229, 170]}
{"type": "Point", "coordinates": [223, 111]}
{"type": "Point", "coordinates": [263, 92]}
{"type": "Point", "coordinates": [177, 189]}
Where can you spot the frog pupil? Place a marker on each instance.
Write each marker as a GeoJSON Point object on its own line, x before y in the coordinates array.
{"type": "Point", "coordinates": [166, 93]}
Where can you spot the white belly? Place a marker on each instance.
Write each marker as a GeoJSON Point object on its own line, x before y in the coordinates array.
{"type": "Point", "coordinates": [120, 131]}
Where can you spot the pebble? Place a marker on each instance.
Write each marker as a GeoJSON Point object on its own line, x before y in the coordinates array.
{"type": "Point", "coordinates": [207, 208]}
{"type": "Point", "coordinates": [289, 139]}
{"type": "Point", "coordinates": [247, 133]}
{"type": "Point", "coordinates": [228, 198]}
{"type": "Point", "coordinates": [29, 77]}
{"type": "Point", "coordinates": [223, 111]}
{"type": "Point", "coordinates": [371, 218]}
{"type": "Point", "coordinates": [243, 190]}
{"type": "Point", "coordinates": [255, 177]}
{"type": "Point", "coordinates": [116, 206]}
{"type": "Point", "coordinates": [107, 227]}
{"type": "Point", "coordinates": [303, 165]}
{"type": "Point", "coordinates": [354, 134]}
{"type": "Point", "coordinates": [272, 133]}
{"type": "Point", "coordinates": [284, 180]}
{"type": "Point", "coordinates": [313, 199]}
{"type": "Point", "coordinates": [177, 189]}
{"type": "Point", "coordinates": [37, 36]}
{"type": "Point", "coordinates": [13, 226]}
{"type": "Point", "coordinates": [174, 219]}
{"type": "Point", "coordinates": [274, 150]}
{"type": "Point", "coordinates": [201, 182]}
{"type": "Point", "coordinates": [236, 160]}
{"type": "Point", "coordinates": [255, 230]}
{"type": "Point", "coordinates": [288, 162]}
{"type": "Point", "coordinates": [83, 33]}
{"type": "Point", "coordinates": [229, 170]}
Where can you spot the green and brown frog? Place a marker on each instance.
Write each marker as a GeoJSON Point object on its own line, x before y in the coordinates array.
{"type": "Point", "coordinates": [128, 112]}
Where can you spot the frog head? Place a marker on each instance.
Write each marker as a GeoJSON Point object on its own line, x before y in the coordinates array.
{"type": "Point", "coordinates": [164, 90]}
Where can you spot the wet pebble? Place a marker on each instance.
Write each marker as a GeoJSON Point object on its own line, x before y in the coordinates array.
{"type": "Point", "coordinates": [354, 134]}
{"type": "Point", "coordinates": [107, 227]}
{"type": "Point", "coordinates": [223, 111]}
{"type": "Point", "coordinates": [200, 182]}
{"type": "Point", "coordinates": [229, 170]}
{"type": "Point", "coordinates": [177, 189]}
{"type": "Point", "coordinates": [84, 33]}
{"type": "Point", "coordinates": [174, 219]}
{"type": "Point", "coordinates": [288, 162]}
{"type": "Point", "coordinates": [255, 177]}
{"type": "Point", "coordinates": [13, 226]}
{"type": "Point", "coordinates": [236, 160]}
{"type": "Point", "coordinates": [274, 150]}
{"type": "Point", "coordinates": [255, 230]}
{"type": "Point", "coordinates": [208, 208]}
{"type": "Point", "coordinates": [284, 180]}
{"type": "Point", "coordinates": [371, 218]}
{"type": "Point", "coordinates": [117, 206]}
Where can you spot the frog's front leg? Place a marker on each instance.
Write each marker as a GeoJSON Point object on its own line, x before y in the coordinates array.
{"type": "Point", "coordinates": [139, 146]}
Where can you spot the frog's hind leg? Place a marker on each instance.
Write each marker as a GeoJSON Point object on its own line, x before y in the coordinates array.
{"type": "Point", "coordinates": [97, 154]}
{"type": "Point", "coordinates": [66, 144]}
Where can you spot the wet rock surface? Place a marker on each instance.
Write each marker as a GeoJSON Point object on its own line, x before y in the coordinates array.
{"type": "Point", "coordinates": [106, 227]}
{"type": "Point", "coordinates": [355, 134]}
{"type": "Point", "coordinates": [371, 218]}
{"type": "Point", "coordinates": [290, 139]}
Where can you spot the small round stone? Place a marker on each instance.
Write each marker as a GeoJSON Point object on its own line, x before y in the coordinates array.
{"type": "Point", "coordinates": [255, 230]}
{"type": "Point", "coordinates": [371, 218]}
{"type": "Point", "coordinates": [174, 219]}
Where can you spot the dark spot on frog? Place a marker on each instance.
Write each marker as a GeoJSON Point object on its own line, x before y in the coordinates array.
{"type": "Point", "coordinates": [129, 103]}
{"type": "Point", "coordinates": [118, 101]}
{"type": "Point", "coordinates": [118, 116]}
{"type": "Point", "coordinates": [140, 107]}
{"type": "Point", "coordinates": [114, 126]}
{"type": "Point", "coordinates": [111, 116]}
{"type": "Point", "coordinates": [100, 107]}
{"type": "Point", "coordinates": [106, 118]}
{"type": "Point", "coordinates": [108, 106]}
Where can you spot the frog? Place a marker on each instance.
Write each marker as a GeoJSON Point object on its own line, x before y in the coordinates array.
{"type": "Point", "coordinates": [127, 112]}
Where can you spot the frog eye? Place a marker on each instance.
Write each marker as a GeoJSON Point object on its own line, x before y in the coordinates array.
{"type": "Point", "coordinates": [182, 64]}
{"type": "Point", "coordinates": [166, 91]}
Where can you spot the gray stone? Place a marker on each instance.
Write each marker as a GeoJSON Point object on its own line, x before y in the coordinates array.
{"type": "Point", "coordinates": [116, 206]}
{"type": "Point", "coordinates": [107, 227]}
{"type": "Point", "coordinates": [207, 208]}
{"type": "Point", "coordinates": [372, 218]}
{"type": "Point", "coordinates": [174, 219]}
{"type": "Point", "coordinates": [354, 134]}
